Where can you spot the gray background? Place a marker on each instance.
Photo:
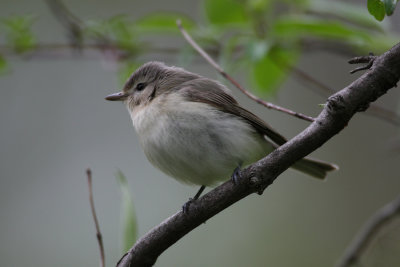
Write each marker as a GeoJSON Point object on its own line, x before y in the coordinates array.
{"type": "Point", "coordinates": [55, 123]}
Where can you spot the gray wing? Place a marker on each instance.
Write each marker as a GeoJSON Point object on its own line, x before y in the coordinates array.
{"type": "Point", "coordinates": [215, 94]}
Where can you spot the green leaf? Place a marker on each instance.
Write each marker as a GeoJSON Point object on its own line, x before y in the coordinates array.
{"type": "Point", "coordinates": [270, 71]}
{"type": "Point", "coordinates": [19, 34]}
{"type": "Point", "coordinates": [222, 12]}
{"type": "Point", "coordinates": [390, 5]}
{"type": "Point", "coordinates": [161, 22]}
{"type": "Point", "coordinates": [129, 223]}
{"type": "Point", "coordinates": [376, 8]}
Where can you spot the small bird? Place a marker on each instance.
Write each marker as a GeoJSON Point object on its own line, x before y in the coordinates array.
{"type": "Point", "coordinates": [191, 128]}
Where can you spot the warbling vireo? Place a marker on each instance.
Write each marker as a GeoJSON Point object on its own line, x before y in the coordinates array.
{"type": "Point", "coordinates": [193, 130]}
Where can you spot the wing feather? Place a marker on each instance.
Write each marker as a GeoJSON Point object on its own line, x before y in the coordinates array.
{"type": "Point", "coordinates": [217, 95]}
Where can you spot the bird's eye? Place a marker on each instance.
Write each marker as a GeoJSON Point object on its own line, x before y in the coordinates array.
{"type": "Point", "coordinates": [140, 86]}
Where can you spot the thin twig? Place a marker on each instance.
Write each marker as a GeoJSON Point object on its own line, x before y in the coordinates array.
{"type": "Point", "coordinates": [96, 222]}
{"type": "Point", "coordinates": [204, 54]}
{"type": "Point", "coordinates": [364, 59]}
{"type": "Point", "coordinates": [373, 226]}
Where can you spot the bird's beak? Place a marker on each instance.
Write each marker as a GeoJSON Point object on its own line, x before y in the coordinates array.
{"type": "Point", "coordinates": [121, 96]}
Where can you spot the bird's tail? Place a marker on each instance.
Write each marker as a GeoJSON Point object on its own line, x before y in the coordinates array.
{"type": "Point", "coordinates": [315, 168]}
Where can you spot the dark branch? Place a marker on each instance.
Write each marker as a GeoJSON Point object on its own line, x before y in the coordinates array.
{"type": "Point", "coordinates": [339, 109]}
{"type": "Point", "coordinates": [373, 226]}
{"type": "Point", "coordinates": [96, 222]}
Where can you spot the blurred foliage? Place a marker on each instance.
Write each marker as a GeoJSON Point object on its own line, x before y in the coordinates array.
{"type": "Point", "coordinates": [225, 12]}
{"type": "Point", "coordinates": [128, 217]}
{"type": "Point", "coordinates": [262, 38]}
{"type": "Point", "coordinates": [274, 34]}
{"type": "Point", "coordinates": [18, 31]}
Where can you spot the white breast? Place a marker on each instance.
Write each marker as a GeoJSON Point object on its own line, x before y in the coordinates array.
{"type": "Point", "coordinates": [194, 142]}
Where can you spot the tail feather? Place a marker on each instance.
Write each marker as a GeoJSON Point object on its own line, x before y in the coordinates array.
{"type": "Point", "coordinates": [314, 167]}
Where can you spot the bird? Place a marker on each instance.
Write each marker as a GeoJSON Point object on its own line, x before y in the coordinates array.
{"type": "Point", "coordinates": [191, 127]}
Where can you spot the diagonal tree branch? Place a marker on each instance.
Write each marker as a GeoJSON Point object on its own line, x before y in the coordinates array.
{"type": "Point", "coordinates": [339, 109]}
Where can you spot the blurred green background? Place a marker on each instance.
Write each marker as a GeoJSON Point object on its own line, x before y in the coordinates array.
{"type": "Point", "coordinates": [55, 123]}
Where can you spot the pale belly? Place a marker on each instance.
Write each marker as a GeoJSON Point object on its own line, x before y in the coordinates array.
{"type": "Point", "coordinates": [197, 149]}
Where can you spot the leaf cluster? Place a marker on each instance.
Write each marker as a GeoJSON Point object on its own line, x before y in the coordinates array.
{"type": "Point", "coordinates": [380, 8]}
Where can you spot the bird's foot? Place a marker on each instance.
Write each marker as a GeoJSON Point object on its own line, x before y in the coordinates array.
{"type": "Point", "coordinates": [185, 207]}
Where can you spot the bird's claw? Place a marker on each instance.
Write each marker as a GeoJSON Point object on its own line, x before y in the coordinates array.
{"type": "Point", "coordinates": [185, 207]}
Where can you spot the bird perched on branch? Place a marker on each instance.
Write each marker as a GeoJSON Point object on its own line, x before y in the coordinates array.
{"type": "Point", "coordinates": [191, 128]}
